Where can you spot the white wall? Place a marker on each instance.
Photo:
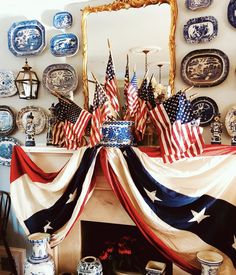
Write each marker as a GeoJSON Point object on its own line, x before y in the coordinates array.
{"type": "Point", "coordinates": [14, 11]}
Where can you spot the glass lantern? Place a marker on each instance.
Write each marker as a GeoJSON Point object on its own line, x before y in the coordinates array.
{"type": "Point", "coordinates": [27, 83]}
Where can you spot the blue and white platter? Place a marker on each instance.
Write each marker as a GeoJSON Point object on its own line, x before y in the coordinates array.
{"type": "Point", "coordinates": [200, 29]}
{"type": "Point", "coordinates": [7, 83]}
{"type": "Point", "coordinates": [7, 120]}
{"type": "Point", "coordinates": [6, 147]}
{"type": "Point", "coordinates": [197, 4]}
{"type": "Point", "coordinates": [62, 20]}
{"type": "Point", "coordinates": [60, 78]}
{"type": "Point", "coordinates": [205, 68]}
{"type": "Point", "coordinates": [232, 13]}
{"type": "Point", "coordinates": [65, 44]}
{"type": "Point", "coordinates": [26, 38]}
{"type": "Point", "coordinates": [204, 108]}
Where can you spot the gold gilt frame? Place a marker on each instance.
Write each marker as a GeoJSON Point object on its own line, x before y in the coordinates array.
{"type": "Point", "coordinates": [126, 4]}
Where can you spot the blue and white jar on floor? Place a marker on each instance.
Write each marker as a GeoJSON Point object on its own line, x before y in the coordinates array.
{"type": "Point", "coordinates": [40, 262]}
{"type": "Point", "coordinates": [89, 265]}
{"type": "Point", "coordinates": [210, 262]}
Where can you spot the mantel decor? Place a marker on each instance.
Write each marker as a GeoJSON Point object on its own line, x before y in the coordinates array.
{"type": "Point", "coordinates": [27, 83]}
{"type": "Point", "coordinates": [126, 4]}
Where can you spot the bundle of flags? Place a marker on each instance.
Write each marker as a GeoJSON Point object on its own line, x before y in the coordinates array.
{"type": "Point", "coordinates": [72, 121]}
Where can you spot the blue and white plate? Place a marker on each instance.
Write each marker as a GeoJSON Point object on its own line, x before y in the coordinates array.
{"type": "Point", "coordinates": [205, 68]}
{"type": "Point", "coordinates": [60, 78]}
{"type": "Point", "coordinates": [6, 147]}
{"type": "Point", "coordinates": [7, 120]}
{"type": "Point", "coordinates": [7, 83]}
{"type": "Point", "coordinates": [197, 4]}
{"type": "Point", "coordinates": [65, 44]}
{"type": "Point", "coordinates": [232, 13]}
{"type": "Point", "coordinates": [62, 20]}
{"type": "Point", "coordinates": [200, 29]}
{"type": "Point", "coordinates": [204, 108]}
{"type": "Point", "coordinates": [26, 38]}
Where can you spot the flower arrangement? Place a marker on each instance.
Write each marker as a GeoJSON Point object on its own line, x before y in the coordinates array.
{"type": "Point", "coordinates": [122, 255]}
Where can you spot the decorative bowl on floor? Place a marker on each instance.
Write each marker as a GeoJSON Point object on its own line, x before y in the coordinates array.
{"type": "Point", "coordinates": [155, 268]}
{"type": "Point", "coordinates": [117, 134]}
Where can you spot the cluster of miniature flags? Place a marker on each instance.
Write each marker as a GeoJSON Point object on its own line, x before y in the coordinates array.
{"type": "Point", "coordinates": [178, 136]}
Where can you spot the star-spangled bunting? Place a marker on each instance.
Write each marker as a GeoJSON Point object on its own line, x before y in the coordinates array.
{"type": "Point", "coordinates": [179, 135]}
{"type": "Point", "coordinates": [110, 84]}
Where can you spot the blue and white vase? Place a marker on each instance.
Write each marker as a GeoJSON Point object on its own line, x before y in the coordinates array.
{"type": "Point", "coordinates": [40, 262]}
{"type": "Point", "coordinates": [210, 262]}
{"type": "Point", "coordinates": [89, 265]}
{"type": "Point", "coordinates": [117, 134]}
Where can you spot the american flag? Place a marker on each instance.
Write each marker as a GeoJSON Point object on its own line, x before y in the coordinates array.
{"type": "Point", "coordinates": [126, 82]}
{"type": "Point", "coordinates": [110, 84]}
{"type": "Point", "coordinates": [179, 135]}
{"type": "Point", "coordinates": [150, 95]}
{"type": "Point", "coordinates": [132, 97]}
{"type": "Point", "coordinates": [101, 111]}
{"type": "Point", "coordinates": [141, 118]}
{"type": "Point", "coordinates": [75, 121]}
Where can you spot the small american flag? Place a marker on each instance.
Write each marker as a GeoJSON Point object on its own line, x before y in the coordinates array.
{"type": "Point", "coordinates": [150, 96]}
{"type": "Point", "coordinates": [75, 121]}
{"type": "Point", "coordinates": [101, 111]}
{"type": "Point", "coordinates": [132, 97]}
{"type": "Point", "coordinates": [110, 84]}
{"type": "Point", "coordinates": [126, 82]}
{"type": "Point", "coordinates": [141, 118]}
{"type": "Point", "coordinates": [179, 136]}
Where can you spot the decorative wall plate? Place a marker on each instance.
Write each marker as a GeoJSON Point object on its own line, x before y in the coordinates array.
{"type": "Point", "coordinates": [6, 147]}
{"type": "Point", "coordinates": [205, 67]}
{"type": "Point", "coordinates": [197, 4]}
{"type": "Point", "coordinates": [229, 118]}
{"type": "Point", "coordinates": [7, 83]}
{"type": "Point", "coordinates": [7, 120]}
{"type": "Point", "coordinates": [26, 38]}
{"type": "Point", "coordinates": [65, 44]}
{"type": "Point", "coordinates": [204, 108]}
{"type": "Point", "coordinates": [62, 20]}
{"type": "Point", "coordinates": [40, 118]}
{"type": "Point", "coordinates": [200, 29]}
{"type": "Point", "coordinates": [60, 78]}
{"type": "Point", "coordinates": [232, 13]}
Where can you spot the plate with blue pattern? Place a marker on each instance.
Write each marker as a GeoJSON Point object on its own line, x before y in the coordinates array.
{"type": "Point", "coordinates": [204, 108]}
{"type": "Point", "coordinates": [26, 38]}
{"type": "Point", "coordinates": [7, 83]}
{"type": "Point", "coordinates": [62, 20]}
{"type": "Point", "coordinates": [6, 147]}
{"type": "Point", "coordinates": [200, 29]}
{"type": "Point", "coordinates": [232, 13]}
{"type": "Point", "coordinates": [65, 44]}
{"type": "Point", "coordinates": [197, 4]}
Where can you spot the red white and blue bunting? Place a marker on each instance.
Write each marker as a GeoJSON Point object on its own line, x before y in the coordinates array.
{"type": "Point", "coordinates": [181, 208]}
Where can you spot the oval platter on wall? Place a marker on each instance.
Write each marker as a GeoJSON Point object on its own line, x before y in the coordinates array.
{"type": "Point", "coordinates": [7, 83]}
{"type": "Point", "coordinates": [232, 13]}
{"type": "Point", "coordinates": [65, 44]}
{"type": "Point", "coordinates": [229, 118]}
{"type": "Point", "coordinates": [197, 4]}
{"type": "Point", "coordinates": [7, 120]}
{"type": "Point", "coordinates": [205, 68]}
{"type": "Point", "coordinates": [61, 78]}
{"type": "Point", "coordinates": [62, 20]}
{"type": "Point", "coordinates": [200, 29]}
{"type": "Point", "coordinates": [6, 147]}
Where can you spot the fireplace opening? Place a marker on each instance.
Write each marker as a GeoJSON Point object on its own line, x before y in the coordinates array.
{"type": "Point", "coordinates": [119, 247]}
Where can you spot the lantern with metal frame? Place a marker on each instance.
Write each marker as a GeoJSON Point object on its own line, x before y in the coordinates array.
{"type": "Point", "coordinates": [27, 83]}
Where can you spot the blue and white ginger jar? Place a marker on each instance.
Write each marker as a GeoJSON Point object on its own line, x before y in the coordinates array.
{"type": "Point", "coordinates": [89, 265]}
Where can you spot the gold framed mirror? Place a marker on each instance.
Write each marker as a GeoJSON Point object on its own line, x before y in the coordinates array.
{"type": "Point", "coordinates": [123, 6]}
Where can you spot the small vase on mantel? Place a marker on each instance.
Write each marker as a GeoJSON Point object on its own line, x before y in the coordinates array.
{"type": "Point", "coordinates": [210, 262]}
{"type": "Point", "coordinates": [40, 262]}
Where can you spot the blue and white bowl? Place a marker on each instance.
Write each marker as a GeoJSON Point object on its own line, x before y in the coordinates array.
{"type": "Point", "coordinates": [117, 133]}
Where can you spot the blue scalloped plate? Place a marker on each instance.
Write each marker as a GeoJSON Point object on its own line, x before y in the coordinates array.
{"type": "Point", "coordinates": [232, 13]}
{"type": "Point", "coordinates": [65, 44]}
{"type": "Point", "coordinates": [6, 147]}
{"type": "Point", "coordinates": [26, 38]}
{"type": "Point", "coordinates": [197, 4]}
{"type": "Point", "coordinates": [62, 20]}
{"type": "Point", "coordinates": [200, 29]}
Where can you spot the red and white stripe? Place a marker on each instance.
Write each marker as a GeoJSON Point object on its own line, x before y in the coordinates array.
{"type": "Point", "coordinates": [178, 140]}
{"type": "Point", "coordinates": [132, 100]}
{"type": "Point", "coordinates": [141, 118]}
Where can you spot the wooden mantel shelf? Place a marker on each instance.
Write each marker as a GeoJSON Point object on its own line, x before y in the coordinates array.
{"type": "Point", "coordinates": [46, 149]}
